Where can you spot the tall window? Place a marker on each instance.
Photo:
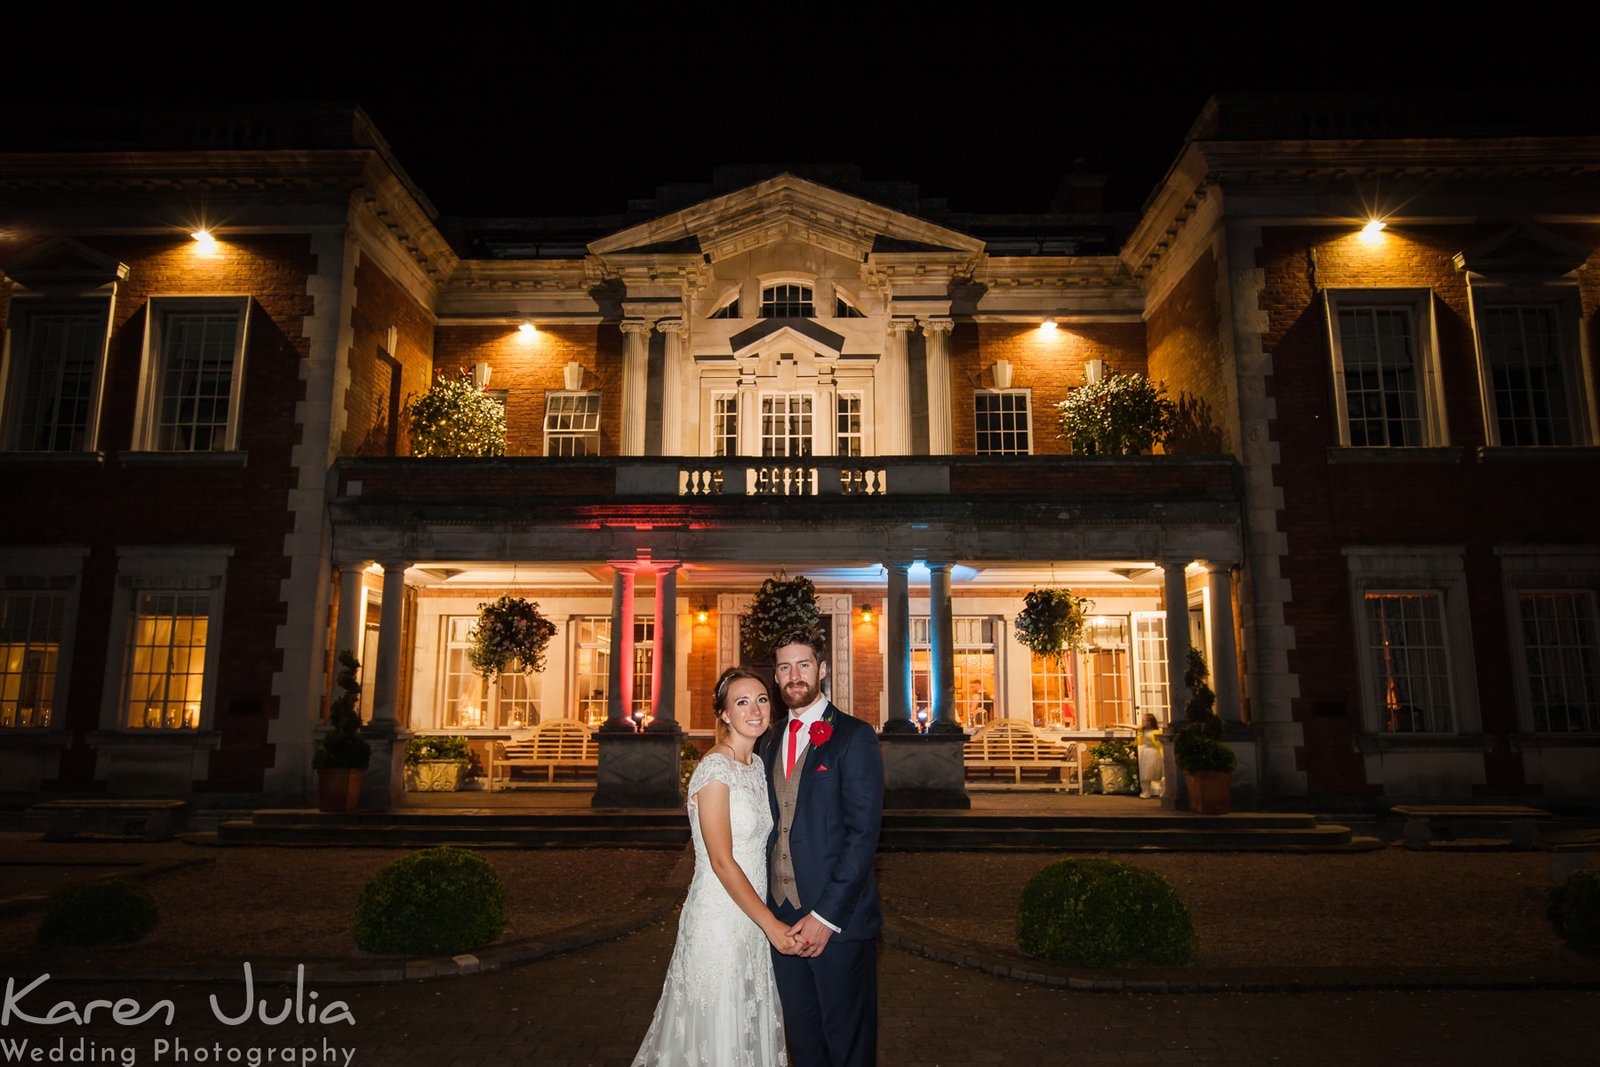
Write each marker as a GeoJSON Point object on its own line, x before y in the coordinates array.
{"type": "Point", "coordinates": [1150, 664]}
{"type": "Point", "coordinates": [1104, 677]}
{"type": "Point", "coordinates": [787, 301]}
{"type": "Point", "coordinates": [1559, 640]}
{"type": "Point", "coordinates": [786, 424]}
{"type": "Point", "coordinates": [1001, 423]}
{"type": "Point", "coordinates": [976, 668]}
{"type": "Point", "coordinates": [56, 353]}
{"type": "Point", "coordinates": [194, 369]}
{"type": "Point", "coordinates": [471, 703]}
{"type": "Point", "coordinates": [572, 424]}
{"type": "Point", "coordinates": [1408, 661]}
{"type": "Point", "coordinates": [725, 425]}
{"type": "Point", "coordinates": [847, 408]}
{"type": "Point", "coordinates": [166, 661]}
{"type": "Point", "coordinates": [30, 651]}
{"type": "Point", "coordinates": [592, 666]}
{"type": "Point", "coordinates": [1383, 371]}
{"type": "Point", "coordinates": [1529, 374]}
{"type": "Point", "coordinates": [1054, 690]}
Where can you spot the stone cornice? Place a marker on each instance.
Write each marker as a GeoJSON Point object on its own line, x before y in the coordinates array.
{"type": "Point", "coordinates": [523, 275]}
{"type": "Point", "coordinates": [687, 272]}
{"type": "Point", "coordinates": [882, 270]}
{"type": "Point", "coordinates": [1061, 272]}
{"type": "Point", "coordinates": [161, 171]}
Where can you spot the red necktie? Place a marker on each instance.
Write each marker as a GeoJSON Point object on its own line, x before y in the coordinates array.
{"type": "Point", "coordinates": [794, 739]}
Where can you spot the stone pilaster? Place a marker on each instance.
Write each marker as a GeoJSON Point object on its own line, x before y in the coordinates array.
{"type": "Point", "coordinates": [894, 391]}
{"type": "Point", "coordinates": [635, 384]}
{"type": "Point", "coordinates": [677, 333]}
{"type": "Point", "coordinates": [940, 437]}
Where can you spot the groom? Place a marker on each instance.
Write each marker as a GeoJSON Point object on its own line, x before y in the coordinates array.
{"type": "Point", "coordinates": [825, 783]}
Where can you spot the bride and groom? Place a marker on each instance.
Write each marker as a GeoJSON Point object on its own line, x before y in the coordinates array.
{"type": "Point", "coordinates": [778, 934]}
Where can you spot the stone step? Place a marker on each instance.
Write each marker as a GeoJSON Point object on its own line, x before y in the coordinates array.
{"type": "Point", "coordinates": [658, 817]}
{"type": "Point", "coordinates": [434, 832]}
{"type": "Point", "coordinates": [1152, 820]}
{"type": "Point", "coordinates": [1123, 839]}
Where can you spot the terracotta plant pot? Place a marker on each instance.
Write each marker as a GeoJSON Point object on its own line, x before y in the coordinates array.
{"type": "Point", "coordinates": [339, 789]}
{"type": "Point", "coordinates": [1209, 792]}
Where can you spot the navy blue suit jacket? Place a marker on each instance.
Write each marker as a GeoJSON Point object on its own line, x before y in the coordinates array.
{"type": "Point", "coordinates": [838, 814]}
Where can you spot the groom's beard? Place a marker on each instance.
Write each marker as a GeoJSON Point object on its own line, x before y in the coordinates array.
{"type": "Point", "coordinates": [799, 694]}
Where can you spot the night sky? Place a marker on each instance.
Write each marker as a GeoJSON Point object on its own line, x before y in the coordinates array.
{"type": "Point", "coordinates": [540, 113]}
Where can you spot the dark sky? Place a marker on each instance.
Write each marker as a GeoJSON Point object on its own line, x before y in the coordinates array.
{"type": "Point", "coordinates": [528, 111]}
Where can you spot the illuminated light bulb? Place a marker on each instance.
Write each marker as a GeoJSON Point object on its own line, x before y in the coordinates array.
{"type": "Point", "coordinates": [527, 329]}
{"type": "Point", "coordinates": [1048, 324]}
{"type": "Point", "coordinates": [1372, 229]}
{"type": "Point", "coordinates": [204, 239]}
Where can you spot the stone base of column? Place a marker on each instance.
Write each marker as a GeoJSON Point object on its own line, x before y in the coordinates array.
{"type": "Point", "coordinates": [383, 786]}
{"type": "Point", "coordinates": [638, 770]}
{"type": "Point", "coordinates": [924, 770]}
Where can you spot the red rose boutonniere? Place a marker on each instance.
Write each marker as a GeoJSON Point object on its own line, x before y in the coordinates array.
{"type": "Point", "coordinates": [820, 732]}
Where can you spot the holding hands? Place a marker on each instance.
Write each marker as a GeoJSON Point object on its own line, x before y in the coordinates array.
{"type": "Point", "coordinates": [782, 938]}
{"type": "Point", "coordinates": [811, 936]}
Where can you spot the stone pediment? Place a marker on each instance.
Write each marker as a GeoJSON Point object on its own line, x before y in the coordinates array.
{"type": "Point", "coordinates": [811, 334]}
{"type": "Point", "coordinates": [785, 208]}
{"type": "Point", "coordinates": [1525, 250]}
{"type": "Point", "coordinates": [62, 263]}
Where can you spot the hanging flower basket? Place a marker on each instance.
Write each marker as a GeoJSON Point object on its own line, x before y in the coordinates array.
{"type": "Point", "coordinates": [457, 419]}
{"type": "Point", "coordinates": [1051, 621]}
{"type": "Point", "coordinates": [783, 604]}
{"type": "Point", "coordinates": [1120, 415]}
{"type": "Point", "coordinates": [509, 629]}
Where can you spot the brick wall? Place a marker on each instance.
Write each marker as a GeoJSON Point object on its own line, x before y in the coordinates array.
{"type": "Point", "coordinates": [382, 303]}
{"type": "Point", "coordinates": [527, 369]}
{"type": "Point", "coordinates": [1048, 362]}
{"type": "Point", "coordinates": [1185, 344]}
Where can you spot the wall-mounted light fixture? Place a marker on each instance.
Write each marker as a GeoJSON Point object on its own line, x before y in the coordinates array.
{"type": "Point", "coordinates": [1372, 229]}
{"type": "Point", "coordinates": [527, 328]}
{"type": "Point", "coordinates": [205, 243]}
{"type": "Point", "coordinates": [702, 614]}
{"type": "Point", "coordinates": [866, 613]}
{"type": "Point", "coordinates": [1049, 323]}
{"type": "Point", "coordinates": [480, 375]}
{"type": "Point", "coordinates": [1094, 370]}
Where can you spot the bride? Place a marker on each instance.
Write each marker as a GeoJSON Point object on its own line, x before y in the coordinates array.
{"type": "Point", "coordinates": [720, 1003]}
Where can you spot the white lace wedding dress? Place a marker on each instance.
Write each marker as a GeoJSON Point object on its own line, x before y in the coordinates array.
{"type": "Point", "coordinates": [720, 1004]}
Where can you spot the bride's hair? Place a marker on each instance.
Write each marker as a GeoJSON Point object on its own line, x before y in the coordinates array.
{"type": "Point", "coordinates": [719, 696]}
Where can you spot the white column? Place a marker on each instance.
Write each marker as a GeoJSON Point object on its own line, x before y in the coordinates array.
{"type": "Point", "coordinates": [676, 331]}
{"type": "Point", "coordinates": [352, 608]}
{"type": "Point", "coordinates": [941, 650]}
{"type": "Point", "coordinates": [1219, 634]}
{"type": "Point", "coordinates": [619, 685]}
{"type": "Point", "coordinates": [897, 653]}
{"type": "Point", "coordinates": [635, 384]}
{"type": "Point", "coordinates": [894, 391]}
{"type": "Point", "coordinates": [1177, 601]}
{"type": "Point", "coordinates": [664, 679]}
{"type": "Point", "coordinates": [937, 331]}
{"type": "Point", "coordinates": [391, 623]}
{"type": "Point", "coordinates": [749, 420]}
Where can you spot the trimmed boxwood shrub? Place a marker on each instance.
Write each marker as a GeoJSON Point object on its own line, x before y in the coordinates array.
{"type": "Point", "coordinates": [1574, 908]}
{"type": "Point", "coordinates": [115, 911]}
{"type": "Point", "coordinates": [1100, 913]}
{"type": "Point", "coordinates": [439, 900]}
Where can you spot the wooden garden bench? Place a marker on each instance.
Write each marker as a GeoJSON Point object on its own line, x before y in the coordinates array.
{"type": "Point", "coordinates": [1426, 823]}
{"type": "Point", "coordinates": [558, 744]}
{"type": "Point", "coordinates": [1011, 745]}
{"type": "Point", "coordinates": [153, 820]}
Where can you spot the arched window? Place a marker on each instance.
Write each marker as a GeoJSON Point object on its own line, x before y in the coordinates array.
{"type": "Point", "coordinates": [787, 300]}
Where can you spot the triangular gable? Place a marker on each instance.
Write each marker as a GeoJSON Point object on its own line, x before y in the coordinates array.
{"type": "Point", "coordinates": [61, 262]}
{"type": "Point", "coordinates": [1524, 249]}
{"type": "Point", "coordinates": [785, 207]}
{"type": "Point", "coordinates": [806, 333]}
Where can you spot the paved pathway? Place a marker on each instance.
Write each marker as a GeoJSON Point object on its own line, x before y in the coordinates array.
{"type": "Point", "coordinates": [592, 1006]}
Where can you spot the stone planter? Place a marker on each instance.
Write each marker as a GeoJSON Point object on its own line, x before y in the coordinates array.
{"type": "Point", "coordinates": [339, 789]}
{"type": "Point", "coordinates": [1209, 792]}
{"type": "Point", "coordinates": [434, 776]}
{"type": "Point", "coordinates": [1114, 779]}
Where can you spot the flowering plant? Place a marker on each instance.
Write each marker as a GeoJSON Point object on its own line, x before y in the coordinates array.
{"type": "Point", "coordinates": [1120, 415]}
{"type": "Point", "coordinates": [509, 629]}
{"type": "Point", "coordinates": [783, 604]}
{"type": "Point", "coordinates": [455, 418]}
{"type": "Point", "coordinates": [1051, 622]}
{"type": "Point", "coordinates": [820, 731]}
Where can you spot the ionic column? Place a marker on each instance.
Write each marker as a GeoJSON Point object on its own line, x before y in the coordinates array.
{"type": "Point", "coordinates": [1177, 601]}
{"type": "Point", "coordinates": [664, 679]}
{"type": "Point", "coordinates": [897, 651]}
{"type": "Point", "coordinates": [352, 607]}
{"type": "Point", "coordinates": [941, 650]}
{"type": "Point", "coordinates": [635, 384]}
{"type": "Point", "coordinates": [1219, 634]}
{"type": "Point", "coordinates": [672, 386]}
{"type": "Point", "coordinates": [391, 622]}
{"type": "Point", "coordinates": [894, 391]}
{"type": "Point", "coordinates": [619, 686]}
{"type": "Point", "coordinates": [940, 439]}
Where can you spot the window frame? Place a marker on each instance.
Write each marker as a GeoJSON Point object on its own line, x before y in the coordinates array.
{"type": "Point", "coordinates": [151, 395]}
{"type": "Point", "coordinates": [1564, 300]}
{"type": "Point", "coordinates": [1542, 569]}
{"type": "Point", "coordinates": [724, 445]}
{"type": "Point", "coordinates": [978, 432]}
{"type": "Point", "coordinates": [807, 440]}
{"type": "Point", "coordinates": [1411, 569]}
{"type": "Point", "coordinates": [1419, 303]}
{"type": "Point", "coordinates": [56, 571]}
{"type": "Point", "coordinates": [15, 362]}
{"type": "Point", "coordinates": [841, 437]}
{"type": "Point", "coordinates": [550, 435]}
{"type": "Point", "coordinates": [808, 299]}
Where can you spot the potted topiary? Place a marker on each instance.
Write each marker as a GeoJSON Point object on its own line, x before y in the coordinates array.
{"type": "Point", "coordinates": [343, 754]}
{"type": "Point", "coordinates": [436, 764]}
{"type": "Point", "coordinates": [1117, 761]}
{"type": "Point", "coordinates": [1119, 415]}
{"type": "Point", "coordinates": [1051, 622]}
{"type": "Point", "coordinates": [457, 419]}
{"type": "Point", "coordinates": [1207, 764]}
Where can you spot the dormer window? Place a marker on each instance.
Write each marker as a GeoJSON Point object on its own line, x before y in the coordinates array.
{"type": "Point", "coordinates": [787, 301]}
